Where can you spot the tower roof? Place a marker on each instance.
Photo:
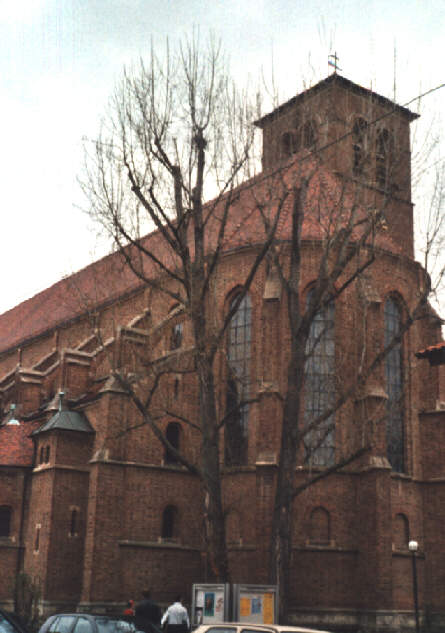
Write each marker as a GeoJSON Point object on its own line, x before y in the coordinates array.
{"type": "Point", "coordinates": [335, 79]}
{"type": "Point", "coordinates": [66, 420]}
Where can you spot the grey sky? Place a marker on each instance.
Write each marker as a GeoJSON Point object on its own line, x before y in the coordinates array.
{"type": "Point", "coordinates": [61, 58]}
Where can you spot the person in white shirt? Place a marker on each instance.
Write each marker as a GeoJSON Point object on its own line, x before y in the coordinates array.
{"type": "Point", "coordinates": [176, 618]}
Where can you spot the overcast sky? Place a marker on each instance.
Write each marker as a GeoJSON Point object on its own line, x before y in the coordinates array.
{"type": "Point", "coordinates": [60, 60]}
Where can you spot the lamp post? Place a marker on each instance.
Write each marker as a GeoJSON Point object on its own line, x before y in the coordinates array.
{"type": "Point", "coordinates": [413, 547]}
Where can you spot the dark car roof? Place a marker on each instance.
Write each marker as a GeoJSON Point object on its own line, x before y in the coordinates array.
{"type": "Point", "coordinates": [91, 616]}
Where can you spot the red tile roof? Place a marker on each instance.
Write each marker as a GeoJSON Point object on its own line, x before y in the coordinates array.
{"type": "Point", "coordinates": [110, 277]}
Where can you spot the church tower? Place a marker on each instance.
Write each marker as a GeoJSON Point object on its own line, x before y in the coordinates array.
{"type": "Point", "coordinates": [358, 134]}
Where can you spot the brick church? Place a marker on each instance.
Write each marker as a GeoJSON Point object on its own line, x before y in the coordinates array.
{"type": "Point", "coordinates": [92, 506]}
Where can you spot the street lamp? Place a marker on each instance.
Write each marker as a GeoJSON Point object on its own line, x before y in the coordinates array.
{"type": "Point", "coordinates": [413, 546]}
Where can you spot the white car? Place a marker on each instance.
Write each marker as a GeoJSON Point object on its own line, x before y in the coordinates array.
{"type": "Point", "coordinates": [246, 627]}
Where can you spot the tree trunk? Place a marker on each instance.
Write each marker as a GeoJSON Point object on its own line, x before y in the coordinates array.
{"type": "Point", "coordinates": [218, 560]}
{"type": "Point", "coordinates": [281, 539]}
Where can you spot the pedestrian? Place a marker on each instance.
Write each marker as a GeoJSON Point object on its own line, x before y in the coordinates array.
{"type": "Point", "coordinates": [147, 614]}
{"type": "Point", "coordinates": [129, 609]}
{"type": "Point", "coordinates": [176, 618]}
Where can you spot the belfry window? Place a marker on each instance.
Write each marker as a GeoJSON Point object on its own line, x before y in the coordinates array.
{"type": "Point", "coordinates": [394, 388]}
{"type": "Point", "coordinates": [238, 384]}
{"type": "Point", "coordinates": [383, 153]}
{"type": "Point", "coordinates": [309, 136]}
{"type": "Point", "coordinates": [319, 387]}
{"type": "Point", "coordinates": [289, 144]}
{"type": "Point", "coordinates": [359, 133]}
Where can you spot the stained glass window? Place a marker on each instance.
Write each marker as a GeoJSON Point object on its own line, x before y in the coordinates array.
{"type": "Point", "coordinates": [394, 388]}
{"type": "Point", "coordinates": [238, 384]}
{"type": "Point", "coordinates": [319, 389]}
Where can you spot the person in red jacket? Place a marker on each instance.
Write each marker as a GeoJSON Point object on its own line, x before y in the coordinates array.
{"type": "Point", "coordinates": [129, 609]}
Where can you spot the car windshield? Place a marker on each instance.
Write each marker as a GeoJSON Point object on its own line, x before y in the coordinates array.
{"type": "Point", "coordinates": [6, 626]}
{"type": "Point", "coordinates": [114, 625]}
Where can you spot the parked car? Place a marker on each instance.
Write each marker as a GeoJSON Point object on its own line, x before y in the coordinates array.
{"type": "Point", "coordinates": [10, 623]}
{"type": "Point", "coordinates": [246, 627]}
{"type": "Point", "coordinates": [86, 623]}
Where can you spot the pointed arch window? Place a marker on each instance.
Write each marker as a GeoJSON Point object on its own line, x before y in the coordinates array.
{"type": "Point", "coordinates": [238, 383]}
{"type": "Point", "coordinates": [394, 387]}
{"type": "Point", "coordinates": [319, 389]}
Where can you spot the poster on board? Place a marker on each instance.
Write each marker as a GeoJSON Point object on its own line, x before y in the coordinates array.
{"type": "Point", "coordinates": [210, 604]}
{"type": "Point", "coordinates": [255, 603]}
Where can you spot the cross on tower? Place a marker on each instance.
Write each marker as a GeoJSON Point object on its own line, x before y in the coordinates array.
{"type": "Point", "coordinates": [333, 61]}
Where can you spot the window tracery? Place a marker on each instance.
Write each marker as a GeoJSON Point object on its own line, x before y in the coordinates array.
{"type": "Point", "coordinates": [394, 387]}
{"type": "Point", "coordinates": [319, 388]}
{"type": "Point", "coordinates": [238, 383]}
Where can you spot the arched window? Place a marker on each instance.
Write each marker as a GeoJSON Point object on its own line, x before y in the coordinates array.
{"type": "Point", "coordinates": [289, 144]}
{"type": "Point", "coordinates": [383, 153]}
{"type": "Point", "coordinates": [47, 453]}
{"type": "Point", "coordinates": [5, 520]}
{"type": "Point", "coordinates": [42, 455]}
{"type": "Point", "coordinates": [400, 532]}
{"type": "Point", "coordinates": [394, 387]}
{"type": "Point", "coordinates": [319, 527]}
{"type": "Point", "coordinates": [238, 384]}
{"type": "Point", "coordinates": [173, 435]}
{"type": "Point", "coordinates": [169, 522]}
{"type": "Point", "coordinates": [319, 388]}
{"type": "Point", "coordinates": [359, 133]}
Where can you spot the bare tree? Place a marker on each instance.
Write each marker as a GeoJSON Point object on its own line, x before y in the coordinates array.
{"type": "Point", "coordinates": [179, 132]}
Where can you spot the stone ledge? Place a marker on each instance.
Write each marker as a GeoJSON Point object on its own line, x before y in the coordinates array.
{"type": "Point", "coordinates": [157, 545]}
